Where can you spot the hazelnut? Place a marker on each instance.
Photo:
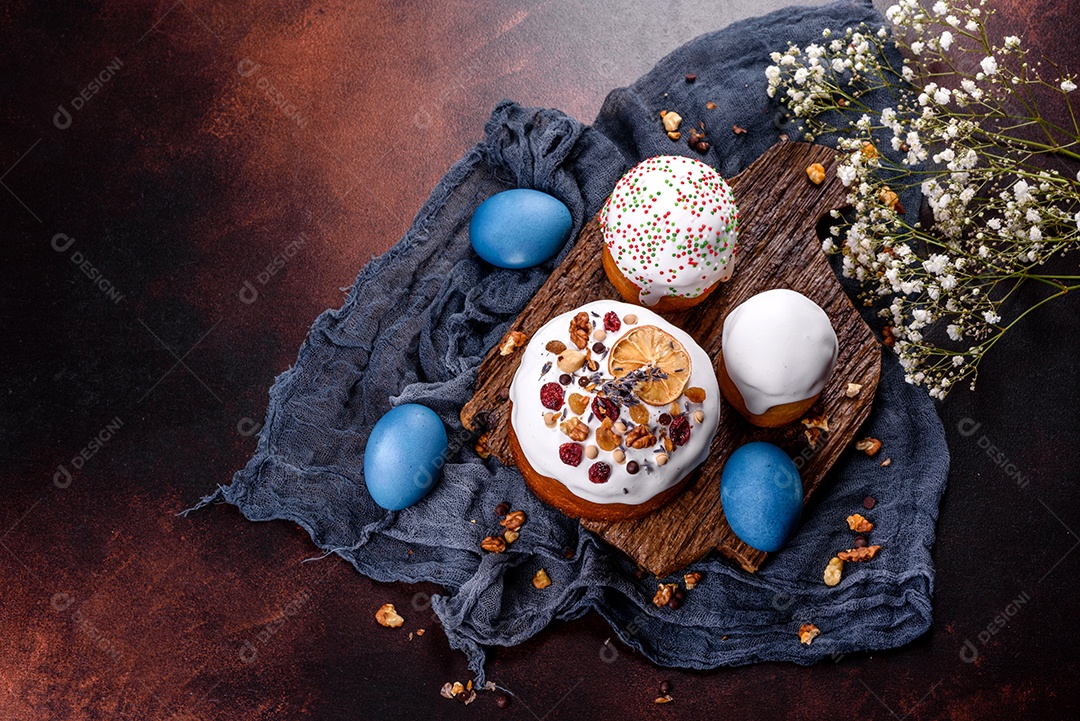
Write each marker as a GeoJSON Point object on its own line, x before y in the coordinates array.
{"type": "Point", "coordinates": [661, 459]}
{"type": "Point", "coordinates": [591, 451]}
{"type": "Point", "coordinates": [570, 361]}
{"type": "Point", "coordinates": [618, 456]}
{"type": "Point", "coordinates": [630, 319]}
{"type": "Point", "coordinates": [599, 334]}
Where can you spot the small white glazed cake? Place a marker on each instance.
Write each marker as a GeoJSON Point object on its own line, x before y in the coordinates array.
{"type": "Point", "coordinates": [612, 407]}
{"type": "Point", "coordinates": [778, 351]}
{"type": "Point", "coordinates": [670, 231]}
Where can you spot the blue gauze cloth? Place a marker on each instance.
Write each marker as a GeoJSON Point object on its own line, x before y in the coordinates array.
{"type": "Point", "coordinates": [420, 319]}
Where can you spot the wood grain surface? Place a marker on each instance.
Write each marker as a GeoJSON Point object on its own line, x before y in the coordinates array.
{"type": "Point", "coordinates": [778, 248]}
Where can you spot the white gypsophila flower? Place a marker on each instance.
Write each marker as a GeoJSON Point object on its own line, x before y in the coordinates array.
{"type": "Point", "coordinates": [940, 8]}
{"type": "Point", "coordinates": [954, 332]}
{"type": "Point", "coordinates": [991, 317]}
{"type": "Point", "coordinates": [1077, 218]}
{"type": "Point", "coordinates": [1012, 42]}
{"type": "Point", "coordinates": [953, 20]}
{"type": "Point", "coordinates": [942, 95]}
{"type": "Point", "coordinates": [1035, 235]}
{"type": "Point", "coordinates": [971, 26]}
{"type": "Point", "coordinates": [989, 65]}
{"type": "Point", "coordinates": [846, 174]}
{"type": "Point", "coordinates": [917, 47]}
{"type": "Point", "coordinates": [946, 40]}
{"type": "Point", "coordinates": [1068, 85]}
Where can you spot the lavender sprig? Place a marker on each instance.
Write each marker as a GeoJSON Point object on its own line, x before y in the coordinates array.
{"type": "Point", "coordinates": [622, 389]}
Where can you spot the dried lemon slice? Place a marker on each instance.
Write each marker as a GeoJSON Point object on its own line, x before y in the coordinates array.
{"type": "Point", "coordinates": [651, 346]}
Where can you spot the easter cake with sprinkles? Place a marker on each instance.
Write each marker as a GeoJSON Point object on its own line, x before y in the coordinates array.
{"type": "Point", "coordinates": [670, 233]}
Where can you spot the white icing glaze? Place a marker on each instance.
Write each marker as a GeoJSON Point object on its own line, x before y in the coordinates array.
{"type": "Point", "coordinates": [671, 227]}
{"type": "Point", "coordinates": [541, 444]}
{"type": "Point", "coordinates": [778, 347]}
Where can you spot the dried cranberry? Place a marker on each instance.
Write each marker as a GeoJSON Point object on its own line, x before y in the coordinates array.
{"type": "Point", "coordinates": [599, 472]}
{"type": "Point", "coordinates": [612, 322]}
{"type": "Point", "coordinates": [665, 419]}
{"type": "Point", "coordinates": [679, 430]}
{"type": "Point", "coordinates": [551, 395]}
{"type": "Point", "coordinates": [570, 453]}
{"type": "Point", "coordinates": [603, 407]}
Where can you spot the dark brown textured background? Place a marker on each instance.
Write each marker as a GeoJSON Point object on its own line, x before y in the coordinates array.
{"type": "Point", "coordinates": [183, 177]}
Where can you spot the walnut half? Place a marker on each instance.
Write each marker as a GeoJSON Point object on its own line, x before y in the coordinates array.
{"type": "Point", "coordinates": [640, 437]}
{"type": "Point", "coordinates": [580, 329]}
{"type": "Point", "coordinates": [511, 342]}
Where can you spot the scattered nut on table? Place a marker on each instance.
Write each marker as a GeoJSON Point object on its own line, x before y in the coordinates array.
{"type": "Point", "coordinates": [513, 521]}
{"type": "Point", "coordinates": [808, 632]}
{"type": "Point", "coordinates": [857, 523]}
{"type": "Point", "coordinates": [663, 594]}
{"type": "Point", "coordinates": [493, 544]}
{"type": "Point", "coordinates": [692, 579]}
{"type": "Point", "coordinates": [541, 579]}
{"type": "Point", "coordinates": [816, 173]}
{"type": "Point", "coordinates": [388, 616]}
{"type": "Point", "coordinates": [511, 342]}
{"type": "Point", "coordinates": [856, 555]}
{"type": "Point", "coordinates": [833, 571]}
{"type": "Point", "coordinates": [853, 389]}
{"type": "Point", "coordinates": [869, 446]}
{"type": "Point", "coordinates": [671, 120]}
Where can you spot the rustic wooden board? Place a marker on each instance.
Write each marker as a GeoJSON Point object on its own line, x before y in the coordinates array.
{"type": "Point", "coordinates": [778, 248]}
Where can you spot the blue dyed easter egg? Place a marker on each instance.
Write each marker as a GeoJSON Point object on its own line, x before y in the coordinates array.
{"type": "Point", "coordinates": [762, 495]}
{"type": "Point", "coordinates": [404, 456]}
{"type": "Point", "coordinates": [519, 228]}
